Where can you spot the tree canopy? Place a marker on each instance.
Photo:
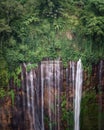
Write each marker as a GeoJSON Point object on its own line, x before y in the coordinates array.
{"type": "Point", "coordinates": [33, 29]}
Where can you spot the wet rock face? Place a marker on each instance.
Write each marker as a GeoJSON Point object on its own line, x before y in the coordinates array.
{"type": "Point", "coordinates": [96, 78]}
{"type": "Point", "coordinates": [5, 114]}
{"type": "Point", "coordinates": [20, 116]}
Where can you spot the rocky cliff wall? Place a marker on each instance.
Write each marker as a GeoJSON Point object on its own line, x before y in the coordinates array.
{"type": "Point", "coordinates": [15, 117]}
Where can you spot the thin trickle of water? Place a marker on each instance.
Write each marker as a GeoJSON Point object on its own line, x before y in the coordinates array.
{"type": "Point", "coordinates": [78, 94]}
{"type": "Point", "coordinates": [100, 95]}
{"type": "Point", "coordinates": [58, 105]}
{"type": "Point", "coordinates": [100, 75]}
{"type": "Point", "coordinates": [32, 98]}
{"type": "Point", "coordinates": [27, 90]}
{"type": "Point", "coordinates": [53, 82]}
{"type": "Point", "coordinates": [23, 86]}
{"type": "Point", "coordinates": [28, 96]}
{"type": "Point", "coordinates": [37, 99]}
{"type": "Point", "coordinates": [30, 91]}
{"type": "Point", "coordinates": [50, 85]}
{"type": "Point", "coordinates": [42, 97]}
{"type": "Point", "coordinates": [72, 74]}
{"type": "Point", "coordinates": [55, 105]}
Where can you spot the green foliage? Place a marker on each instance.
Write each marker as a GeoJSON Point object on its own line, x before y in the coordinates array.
{"type": "Point", "coordinates": [30, 66]}
{"type": "Point", "coordinates": [15, 75]}
{"type": "Point", "coordinates": [89, 111]}
{"type": "Point", "coordinates": [92, 21]}
{"type": "Point", "coordinates": [33, 29]}
{"type": "Point", "coordinates": [67, 115]}
{"type": "Point", "coordinates": [12, 94]}
{"type": "Point", "coordinates": [4, 93]}
{"type": "Point", "coordinates": [4, 74]}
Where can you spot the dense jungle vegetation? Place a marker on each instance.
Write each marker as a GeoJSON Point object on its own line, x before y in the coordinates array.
{"type": "Point", "coordinates": [31, 30]}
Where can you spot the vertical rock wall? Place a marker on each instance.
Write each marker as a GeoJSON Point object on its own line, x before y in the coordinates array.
{"type": "Point", "coordinates": [17, 117]}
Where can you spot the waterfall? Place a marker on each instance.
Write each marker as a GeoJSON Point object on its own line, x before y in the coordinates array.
{"type": "Point", "coordinates": [55, 67]}
{"type": "Point", "coordinates": [72, 77]}
{"type": "Point", "coordinates": [78, 93]}
{"type": "Point", "coordinates": [28, 89]}
{"type": "Point", "coordinates": [49, 70]}
{"type": "Point", "coordinates": [58, 85]}
{"type": "Point", "coordinates": [50, 94]}
{"type": "Point", "coordinates": [42, 90]}
{"type": "Point", "coordinates": [23, 85]}
{"type": "Point", "coordinates": [42, 97]}
{"type": "Point", "coordinates": [100, 95]}
{"type": "Point", "coordinates": [37, 105]}
{"type": "Point", "coordinates": [28, 95]}
{"type": "Point", "coordinates": [32, 99]}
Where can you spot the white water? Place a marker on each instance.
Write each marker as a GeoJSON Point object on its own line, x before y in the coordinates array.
{"type": "Point", "coordinates": [42, 97]}
{"type": "Point", "coordinates": [50, 80]}
{"type": "Point", "coordinates": [78, 94]}
{"type": "Point", "coordinates": [72, 74]}
{"type": "Point", "coordinates": [49, 71]}
{"type": "Point", "coordinates": [55, 99]}
{"type": "Point", "coordinates": [28, 105]}
{"type": "Point", "coordinates": [32, 99]}
{"type": "Point", "coordinates": [58, 85]}
{"type": "Point", "coordinates": [72, 67]}
{"type": "Point", "coordinates": [28, 98]}
{"type": "Point", "coordinates": [52, 76]}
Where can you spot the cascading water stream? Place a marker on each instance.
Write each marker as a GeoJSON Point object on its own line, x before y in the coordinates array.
{"type": "Point", "coordinates": [50, 87]}
{"type": "Point", "coordinates": [72, 77]}
{"type": "Point", "coordinates": [28, 98]}
{"type": "Point", "coordinates": [32, 99]}
{"type": "Point", "coordinates": [78, 94]}
{"type": "Point", "coordinates": [49, 77]}
{"type": "Point", "coordinates": [37, 100]}
{"type": "Point", "coordinates": [23, 86]}
{"type": "Point", "coordinates": [100, 96]}
{"type": "Point", "coordinates": [55, 97]}
{"type": "Point", "coordinates": [42, 97]}
{"type": "Point", "coordinates": [58, 80]}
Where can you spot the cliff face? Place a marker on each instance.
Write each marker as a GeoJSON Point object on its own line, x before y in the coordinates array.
{"type": "Point", "coordinates": [20, 117]}
{"type": "Point", "coordinates": [5, 113]}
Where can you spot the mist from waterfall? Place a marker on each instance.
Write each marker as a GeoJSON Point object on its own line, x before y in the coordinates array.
{"type": "Point", "coordinates": [78, 94]}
